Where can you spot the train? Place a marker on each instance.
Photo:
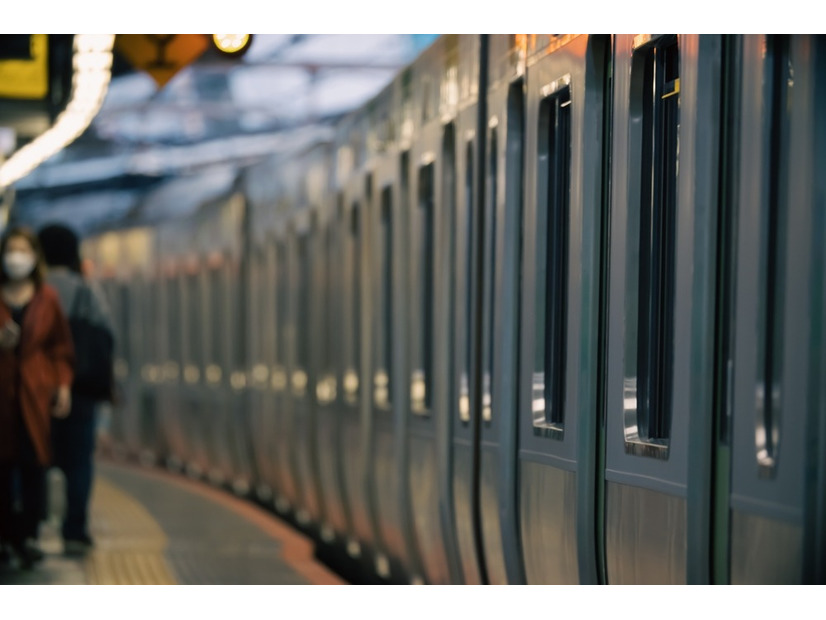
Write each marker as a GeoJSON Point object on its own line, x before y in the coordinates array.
{"type": "Point", "coordinates": [548, 309]}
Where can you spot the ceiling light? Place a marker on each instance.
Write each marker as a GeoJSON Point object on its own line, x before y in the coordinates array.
{"type": "Point", "coordinates": [92, 63]}
{"type": "Point", "coordinates": [232, 44]}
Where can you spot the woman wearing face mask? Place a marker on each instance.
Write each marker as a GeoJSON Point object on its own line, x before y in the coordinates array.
{"type": "Point", "coordinates": [36, 357]}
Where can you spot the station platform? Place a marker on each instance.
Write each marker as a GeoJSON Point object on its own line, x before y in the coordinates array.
{"type": "Point", "coordinates": [155, 528]}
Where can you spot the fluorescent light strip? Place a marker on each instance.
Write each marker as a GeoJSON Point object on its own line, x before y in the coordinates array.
{"type": "Point", "coordinates": [92, 63]}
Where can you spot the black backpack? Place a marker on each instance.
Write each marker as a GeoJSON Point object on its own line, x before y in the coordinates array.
{"type": "Point", "coordinates": [94, 350]}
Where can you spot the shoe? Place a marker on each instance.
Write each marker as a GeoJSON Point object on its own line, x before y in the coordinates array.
{"type": "Point", "coordinates": [28, 554]}
{"type": "Point", "coordinates": [77, 546]}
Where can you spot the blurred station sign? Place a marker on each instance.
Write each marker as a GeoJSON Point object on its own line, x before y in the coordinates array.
{"type": "Point", "coordinates": [35, 81]}
{"type": "Point", "coordinates": [161, 55]}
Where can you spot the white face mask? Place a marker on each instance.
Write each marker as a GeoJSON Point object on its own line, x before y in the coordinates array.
{"type": "Point", "coordinates": [18, 265]}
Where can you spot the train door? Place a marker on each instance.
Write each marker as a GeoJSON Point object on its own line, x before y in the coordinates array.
{"type": "Point", "coordinates": [463, 490]}
{"type": "Point", "coordinates": [659, 374]}
{"type": "Point", "coordinates": [150, 435]}
{"type": "Point", "coordinates": [501, 252]}
{"type": "Point", "coordinates": [192, 404]}
{"type": "Point", "coordinates": [327, 349]}
{"type": "Point", "coordinates": [257, 340]}
{"type": "Point", "coordinates": [424, 351]}
{"type": "Point", "coordinates": [267, 329]}
{"type": "Point", "coordinates": [179, 446]}
{"type": "Point", "coordinates": [238, 293]}
{"type": "Point", "coordinates": [566, 192]}
{"type": "Point", "coordinates": [288, 492]}
{"type": "Point", "coordinates": [215, 370]}
{"type": "Point", "coordinates": [386, 188]}
{"type": "Point", "coordinates": [774, 430]}
{"type": "Point", "coordinates": [309, 511]}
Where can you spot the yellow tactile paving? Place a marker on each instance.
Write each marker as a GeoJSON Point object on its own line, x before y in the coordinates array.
{"type": "Point", "coordinates": [129, 543]}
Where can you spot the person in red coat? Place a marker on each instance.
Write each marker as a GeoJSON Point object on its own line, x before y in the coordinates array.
{"type": "Point", "coordinates": [36, 358]}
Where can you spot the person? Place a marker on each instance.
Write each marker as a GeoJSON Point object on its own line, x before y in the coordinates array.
{"type": "Point", "coordinates": [73, 439]}
{"type": "Point", "coordinates": [36, 373]}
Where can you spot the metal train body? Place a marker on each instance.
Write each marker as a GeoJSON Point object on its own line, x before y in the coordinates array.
{"type": "Point", "coordinates": [516, 321]}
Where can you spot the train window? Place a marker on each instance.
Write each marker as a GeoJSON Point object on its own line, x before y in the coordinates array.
{"type": "Point", "coordinates": [654, 105]}
{"type": "Point", "coordinates": [302, 326]}
{"type": "Point", "coordinates": [421, 387]}
{"type": "Point", "coordinates": [353, 270]}
{"type": "Point", "coordinates": [448, 197]}
{"type": "Point", "coordinates": [489, 285]}
{"type": "Point", "coordinates": [174, 305]}
{"type": "Point", "coordinates": [238, 295]}
{"type": "Point", "coordinates": [279, 377]}
{"type": "Point", "coordinates": [383, 378]}
{"type": "Point", "coordinates": [328, 345]}
{"type": "Point", "coordinates": [217, 297]}
{"type": "Point", "coordinates": [464, 296]}
{"type": "Point", "coordinates": [193, 320]}
{"type": "Point", "coordinates": [553, 214]}
{"type": "Point", "coordinates": [776, 95]}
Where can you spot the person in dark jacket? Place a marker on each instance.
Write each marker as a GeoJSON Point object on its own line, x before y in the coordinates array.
{"type": "Point", "coordinates": [73, 439]}
{"type": "Point", "coordinates": [36, 372]}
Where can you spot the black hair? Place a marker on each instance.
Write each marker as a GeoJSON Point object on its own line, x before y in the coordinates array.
{"type": "Point", "coordinates": [61, 246]}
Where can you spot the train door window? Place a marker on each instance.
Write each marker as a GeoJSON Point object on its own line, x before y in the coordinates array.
{"type": "Point", "coordinates": [261, 328]}
{"type": "Point", "coordinates": [421, 388]}
{"type": "Point", "coordinates": [154, 325]}
{"type": "Point", "coordinates": [193, 328]}
{"type": "Point", "coordinates": [353, 270]}
{"type": "Point", "coordinates": [302, 323]}
{"type": "Point", "coordinates": [329, 291]}
{"type": "Point", "coordinates": [489, 280]}
{"type": "Point", "coordinates": [448, 198]}
{"type": "Point", "coordinates": [777, 95]}
{"type": "Point", "coordinates": [384, 342]}
{"type": "Point", "coordinates": [464, 301]}
{"type": "Point", "coordinates": [252, 313]}
{"type": "Point", "coordinates": [217, 325]}
{"type": "Point", "coordinates": [279, 376]}
{"type": "Point", "coordinates": [553, 215]}
{"type": "Point", "coordinates": [238, 294]}
{"type": "Point", "coordinates": [174, 305]}
{"type": "Point", "coordinates": [654, 105]}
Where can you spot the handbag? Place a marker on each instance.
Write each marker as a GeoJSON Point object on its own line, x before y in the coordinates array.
{"type": "Point", "coordinates": [94, 350]}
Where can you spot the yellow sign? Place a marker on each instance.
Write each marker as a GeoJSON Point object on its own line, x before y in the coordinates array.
{"type": "Point", "coordinates": [161, 55]}
{"type": "Point", "coordinates": [27, 79]}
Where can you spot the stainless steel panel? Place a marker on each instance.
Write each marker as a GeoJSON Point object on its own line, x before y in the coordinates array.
{"type": "Point", "coordinates": [765, 551]}
{"type": "Point", "coordinates": [329, 438]}
{"type": "Point", "coordinates": [548, 517]}
{"type": "Point", "coordinates": [386, 476]}
{"type": "Point", "coordinates": [489, 507]}
{"type": "Point", "coordinates": [424, 495]}
{"type": "Point", "coordinates": [462, 477]}
{"type": "Point", "coordinates": [354, 487]}
{"type": "Point", "coordinates": [645, 535]}
{"type": "Point", "coordinates": [310, 500]}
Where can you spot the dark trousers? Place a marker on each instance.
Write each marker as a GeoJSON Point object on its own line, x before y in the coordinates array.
{"type": "Point", "coordinates": [22, 493]}
{"type": "Point", "coordinates": [73, 445]}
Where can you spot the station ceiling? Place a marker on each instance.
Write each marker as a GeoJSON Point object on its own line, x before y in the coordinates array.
{"type": "Point", "coordinates": [151, 151]}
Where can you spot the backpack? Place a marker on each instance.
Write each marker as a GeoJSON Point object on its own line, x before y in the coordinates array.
{"type": "Point", "coordinates": [94, 350]}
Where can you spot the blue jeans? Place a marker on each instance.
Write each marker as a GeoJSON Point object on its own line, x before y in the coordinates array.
{"type": "Point", "coordinates": [73, 445]}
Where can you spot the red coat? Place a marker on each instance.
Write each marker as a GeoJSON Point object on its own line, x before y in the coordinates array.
{"type": "Point", "coordinates": [46, 362]}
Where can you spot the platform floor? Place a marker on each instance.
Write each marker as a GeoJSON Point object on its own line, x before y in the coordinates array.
{"type": "Point", "coordinates": [154, 528]}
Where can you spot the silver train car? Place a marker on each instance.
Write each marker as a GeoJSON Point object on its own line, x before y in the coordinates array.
{"type": "Point", "coordinates": [549, 309]}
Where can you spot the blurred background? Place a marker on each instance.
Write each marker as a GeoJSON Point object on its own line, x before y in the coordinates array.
{"type": "Point", "coordinates": [154, 151]}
